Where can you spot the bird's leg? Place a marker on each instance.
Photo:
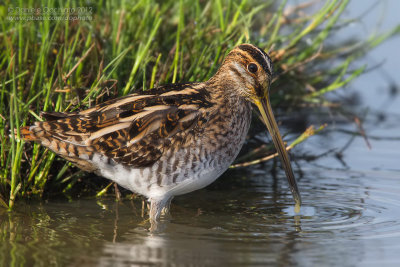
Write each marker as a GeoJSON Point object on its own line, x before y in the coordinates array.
{"type": "Point", "coordinates": [167, 207]}
{"type": "Point", "coordinates": [156, 206]}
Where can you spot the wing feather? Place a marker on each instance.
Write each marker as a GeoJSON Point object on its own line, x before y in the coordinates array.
{"type": "Point", "coordinates": [134, 130]}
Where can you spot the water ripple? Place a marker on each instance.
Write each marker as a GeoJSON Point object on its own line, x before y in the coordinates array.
{"type": "Point", "coordinates": [347, 205]}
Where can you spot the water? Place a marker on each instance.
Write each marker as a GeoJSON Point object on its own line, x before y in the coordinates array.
{"type": "Point", "coordinates": [348, 218]}
{"type": "Point", "coordinates": [350, 215]}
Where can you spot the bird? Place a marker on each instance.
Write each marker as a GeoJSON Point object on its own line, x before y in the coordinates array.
{"type": "Point", "coordinates": [172, 139]}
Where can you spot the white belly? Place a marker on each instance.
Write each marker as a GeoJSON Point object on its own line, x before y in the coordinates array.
{"type": "Point", "coordinates": [144, 180]}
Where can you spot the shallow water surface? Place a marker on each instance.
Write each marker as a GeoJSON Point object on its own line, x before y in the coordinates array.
{"type": "Point", "coordinates": [348, 218]}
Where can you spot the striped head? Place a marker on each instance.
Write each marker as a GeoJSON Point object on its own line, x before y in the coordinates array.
{"type": "Point", "coordinates": [249, 68]}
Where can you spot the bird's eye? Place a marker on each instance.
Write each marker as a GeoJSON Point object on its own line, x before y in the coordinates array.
{"type": "Point", "coordinates": [252, 68]}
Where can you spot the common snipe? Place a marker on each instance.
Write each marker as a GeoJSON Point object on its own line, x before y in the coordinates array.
{"type": "Point", "coordinates": [172, 139]}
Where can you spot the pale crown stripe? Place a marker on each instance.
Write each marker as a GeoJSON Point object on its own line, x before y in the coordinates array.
{"type": "Point", "coordinates": [266, 59]}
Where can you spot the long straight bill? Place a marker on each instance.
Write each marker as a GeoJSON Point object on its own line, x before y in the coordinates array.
{"type": "Point", "coordinates": [266, 112]}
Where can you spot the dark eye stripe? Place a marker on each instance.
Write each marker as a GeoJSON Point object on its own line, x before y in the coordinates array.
{"type": "Point", "coordinates": [258, 56]}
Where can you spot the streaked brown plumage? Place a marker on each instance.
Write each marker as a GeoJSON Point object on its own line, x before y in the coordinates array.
{"type": "Point", "coordinates": [172, 139]}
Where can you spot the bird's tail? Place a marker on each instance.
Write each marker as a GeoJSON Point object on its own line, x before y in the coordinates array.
{"type": "Point", "coordinates": [35, 131]}
{"type": "Point", "coordinates": [26, 133]}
